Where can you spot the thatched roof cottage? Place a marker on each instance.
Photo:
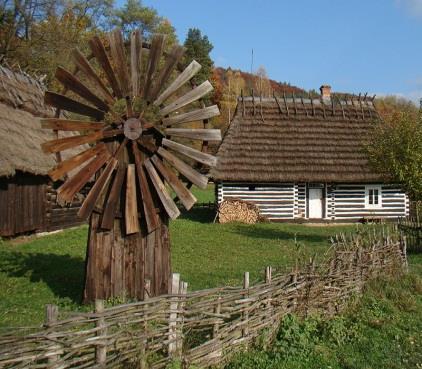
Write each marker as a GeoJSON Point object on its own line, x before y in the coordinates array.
{"type": "Point", "coordinates": [303, 158]}
{"type": "Point", "coordinates": [27, 196]}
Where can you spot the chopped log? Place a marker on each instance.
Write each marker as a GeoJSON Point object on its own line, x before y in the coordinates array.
{"type": "Point", "coordinates": [236, 210]}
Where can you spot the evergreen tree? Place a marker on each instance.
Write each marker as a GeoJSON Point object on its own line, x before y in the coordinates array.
{"type": "Point", "coordinates": [198, 47]}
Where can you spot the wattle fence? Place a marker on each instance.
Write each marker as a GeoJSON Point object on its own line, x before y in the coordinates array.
{"type": "Point", "coordinates": [205, 327]}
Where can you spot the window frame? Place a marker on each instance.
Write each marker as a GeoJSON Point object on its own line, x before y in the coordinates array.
{"type": "Point", "coordinates": [369, 188]}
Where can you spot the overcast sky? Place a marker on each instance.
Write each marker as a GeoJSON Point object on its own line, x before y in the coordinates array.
{"type": "Point", "coordinates": [356, 46]}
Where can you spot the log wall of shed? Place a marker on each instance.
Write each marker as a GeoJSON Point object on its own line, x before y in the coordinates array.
{"type": "Point", "coordinates": [342, 202]}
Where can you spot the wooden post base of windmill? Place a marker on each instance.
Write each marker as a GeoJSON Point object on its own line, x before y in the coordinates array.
{"type": "Point", "coordinates": [138, 159]}
{"type": "Point", "coordinates": [133, 266]}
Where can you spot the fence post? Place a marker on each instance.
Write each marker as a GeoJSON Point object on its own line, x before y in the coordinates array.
{"type": "Point", "coordinates": [101, 349]}
{"type": "Point", "coordinates": [268, 278]}
{"type": "Point", "coordinates": [217, 311]}
{"type": "Point", "coordinates": [403, 242]}
{"type": "Point", "coordinates": [183, 289]}
{"type": "Point", "coordinates": [51, 315]}
{"type": "Point", "coordinates": [245, 331]}
{"type": "Point", "coordinates": [173, 290]}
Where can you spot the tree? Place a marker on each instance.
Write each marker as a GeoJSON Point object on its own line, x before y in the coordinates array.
{"type": "Point", "coordinates": [198, 47]}
{"type": "Point", "coordinates": [387, 106]}
{"type": "Point", "coordinates": [262, 83]}
{"type": "Point", "coordinates": [395, 149]}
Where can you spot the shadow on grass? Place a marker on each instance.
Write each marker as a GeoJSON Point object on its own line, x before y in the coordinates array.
{"type": "Point", "coordinates": [256, 231]}
{"type": "Point", "coordinates": [63, 274]}
{"type": "Point", "coordinates": [200, 215]}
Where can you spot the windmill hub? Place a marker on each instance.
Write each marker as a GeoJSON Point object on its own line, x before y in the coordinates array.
{"type": "Point", "coordinates": [132, 128]}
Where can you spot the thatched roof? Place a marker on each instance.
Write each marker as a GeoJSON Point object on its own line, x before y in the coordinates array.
{"type": "Point", "coordinates": [21, 107]}
{"type": "Point", "coordinates": [297, 140]}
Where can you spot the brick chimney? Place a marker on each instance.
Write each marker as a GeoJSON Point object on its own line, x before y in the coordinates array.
{"type": "Point", "coordinates": [325, 92]}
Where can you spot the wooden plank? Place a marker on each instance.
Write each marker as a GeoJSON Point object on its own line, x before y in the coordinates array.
{"type": "Point", "coordinates": [71, 125]}
{"type": "Point", "coordinates": [195, 134]}
{"type": "Point", "coordinates": [168, 203]}
{"type": "Point", "coordinates": [68, 165]}
{"type": "Point", "coordinates": [85, 67]}
{"type": "Point", "coordinates": [173, 58]}
{"type": "Point", "coordinates": [136, 60]}
{"type": "Point", "coordinates": [183, 77]}
{"type": "Point", "coordinates": [185, 196]}
{"type": "Point", "coordinates": [197, 155]}
{"type": "Point", "coordinates": [118, 54]}
{"type": "Point", "coordinates": [131, 204]}
{"type": "Point", "coordinates": [188, 98]}
{"type": "Point", "coordinates": [157, 45]}
{"type": "Point", "coordinates": [100, 184]}
{"type": "Point", "coordinates": [66, 103]}
{"type": "Point", "coordinates": [147, 201]}
{"type": "Point", "coordinates": [194, 115]}
{"type": "Point", "coordinates": [70, 82]}
{"type": "Point", "coordinates": [66, 143]}
{"type": "Point", "coordinates": [66, 192]}
{"type": "Point", "coordinates": [191, 174]}
{"type": "Point", "coordinates": [100, 54]}
{"type": "Point", "coordinates": [113, 199]}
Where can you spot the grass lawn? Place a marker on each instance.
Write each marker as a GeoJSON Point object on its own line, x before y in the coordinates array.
{"type": "Point", "coordinates": [50, 269]}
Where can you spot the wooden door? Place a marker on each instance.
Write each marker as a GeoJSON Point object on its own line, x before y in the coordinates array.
{"type": "Point", "coordinates": [315, 203]}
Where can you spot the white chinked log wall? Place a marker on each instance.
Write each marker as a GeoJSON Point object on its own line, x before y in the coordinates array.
{"type": "Point", "coordinates": [284, 201]}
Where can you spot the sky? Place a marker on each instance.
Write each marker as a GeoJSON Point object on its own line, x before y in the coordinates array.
{"type": "Point", "coordinates": [355, 46]}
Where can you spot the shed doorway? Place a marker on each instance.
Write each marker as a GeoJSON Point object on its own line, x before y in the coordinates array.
{"type": "Point", "coordinates": [315, 201]}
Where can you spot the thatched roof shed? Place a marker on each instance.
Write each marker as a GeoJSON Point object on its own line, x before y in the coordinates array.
{"type": "Point", "coordinates": [21, 107]}
{"type": "Point", "coordinates": [27, 195]}
{"type": "Point", "coordinates": [294, 139]}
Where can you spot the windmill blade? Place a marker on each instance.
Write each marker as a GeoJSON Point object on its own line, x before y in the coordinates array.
{"type": "Point", "coordinates": [173, 58]}
{"type": "Point", "coordinates": [136, 60]}
{"type": "Point", "coordinates": [168, 203]}
{"type": "Point", "coordinates": [69, 142]}
{"type": "Point", "coordinates": [118, 54]}
{"type": "Point", "coordinates": [199, 114]}
{"type": "Point", "coordinates": [155, 52]}
{"type": "Point", "coordinates": [194, 154]}
{"type": "Point", "coordinates": [113, 198]}
{"type": "Point", "coordinates": [100, 184]}
{"type": "Point", "coordinates": [188, 98]}
{"type": "Point", "coordinates": [65, 103]}
{"type": "Point", "coordinates": [195, 134]}
{"type": "Point", "coordinates": [185, 196]}
{"type": "Point", "coordinates": [68, 165]}
{"type": "Point", "coordinates": [98, 50]}
{"type": "Point", "coordinates": [148, 203]}
{"type": "Point", "coordinates": [66, 192]}
{"type": "Point", "coordinates": [191, 174]}
{"type": "Point", "coordinates": [71, 125]}
{"type": "Point", "coordinates": [183, 77]}
{"type": "Point", "coordinates": [131, 203]}
{"type": "Point", "coordinates": [83, 65]}
{"type": "Point", "coordinates": [70, 82]}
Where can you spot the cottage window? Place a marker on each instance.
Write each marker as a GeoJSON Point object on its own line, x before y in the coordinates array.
{"type": "Point", "coordinates": [373, 197]}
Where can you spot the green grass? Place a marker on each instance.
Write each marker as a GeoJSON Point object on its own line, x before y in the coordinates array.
{"type": "Point", "coordinates": [50, 269]}
{"type": "Point", "coordinates": [381, 330]}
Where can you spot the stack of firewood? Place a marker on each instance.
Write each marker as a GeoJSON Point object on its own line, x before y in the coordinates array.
{"type": "Point", "coordinates": [236, 210]}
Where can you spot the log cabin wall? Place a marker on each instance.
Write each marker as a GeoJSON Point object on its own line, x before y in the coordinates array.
{"type": "Point", "coordinates": [341, 202]}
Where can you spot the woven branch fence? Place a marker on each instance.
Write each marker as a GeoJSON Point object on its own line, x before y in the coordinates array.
{"type": "Point", "coordinates": [204, 327]}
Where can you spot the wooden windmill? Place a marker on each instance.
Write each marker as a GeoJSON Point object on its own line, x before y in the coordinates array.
{"type": "Point", "coordinates": [134, 93]}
